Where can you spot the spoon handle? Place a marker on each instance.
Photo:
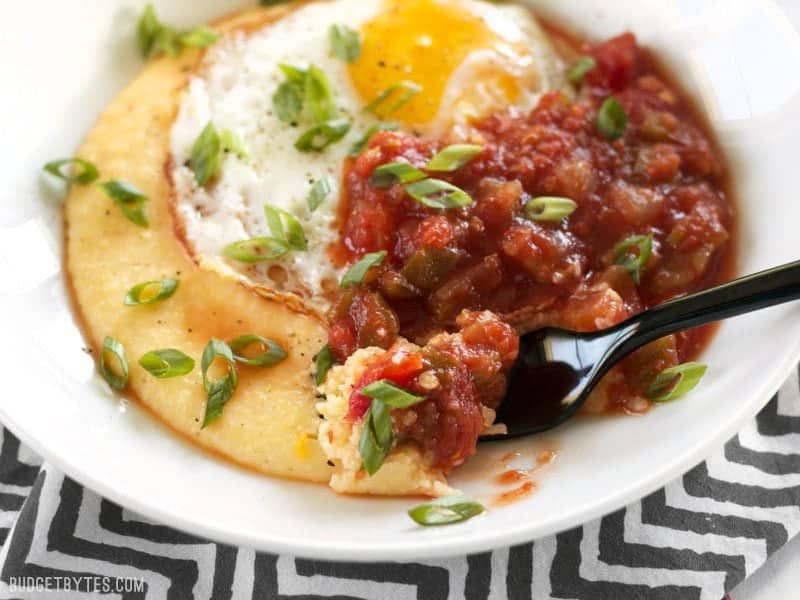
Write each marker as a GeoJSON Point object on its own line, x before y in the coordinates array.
{"type": "Point", "coordinates": [767, 288]}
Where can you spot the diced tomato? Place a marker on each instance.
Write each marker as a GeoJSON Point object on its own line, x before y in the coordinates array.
{"type": "Point", "coordinates": [398, 365]}
{"type": "Point", "coordinates": [617, 61]}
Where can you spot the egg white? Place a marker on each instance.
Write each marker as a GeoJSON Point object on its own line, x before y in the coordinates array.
{"type": "Point", "coordinates": [234, 89]}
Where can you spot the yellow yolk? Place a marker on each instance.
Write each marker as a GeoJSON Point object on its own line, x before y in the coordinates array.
{"type": "Point", "coordinates": [426, 42]}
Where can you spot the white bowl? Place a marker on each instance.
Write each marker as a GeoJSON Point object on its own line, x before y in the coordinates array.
{"type": "Point", "coordinates": [64, 61]}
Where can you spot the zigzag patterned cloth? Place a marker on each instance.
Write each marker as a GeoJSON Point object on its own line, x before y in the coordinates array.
{"type": "Point", "coordinates": [693, 540]}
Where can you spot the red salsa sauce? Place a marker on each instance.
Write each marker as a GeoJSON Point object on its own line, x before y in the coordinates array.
{"type": "Point", "coordinates": [663, 178]}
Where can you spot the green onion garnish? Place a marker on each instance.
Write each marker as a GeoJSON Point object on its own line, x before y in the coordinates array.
{"type": "Point", "coordinates": [633, 254]}
{"type": "Point", "coordinates": [453, 157]}
{"type": "Point", "coordinates": [199, 37]}
{"type": "Point", "coordinates": [152, 35]}
{"type": "Point", "coordinates": [445, 511]}
{"type": "Point", "coordinates": [287, 101]}
{"type": "Point", "coordinates": [168, 41]}
{"type": "Point", "coordinates": [323, 362]}
{"type": "Point", "coordinates": [272, 353]}
{"type": "Point", "coordinates": [675, 382]}
{"type": "Point", "coordinates": [402, 172]}
{"type": "Point", "coordinates": [205, 159]}
{"type": "Point", "coordinates": [435, 193]}
{"type": "Point", "coordinates": [355, 275]}
{"type": "Point", "coordinates": [310, 89]}
{"type": "Point", "coordinates": [390, 394]}
{"type": "Point", "coordinates": [118, 381]}
{"type": "Point", "coordinates": [319, 97]}
{"type": "Point", "coordinates": [345, 43]}
{"type": "Point", "coordinates": [233, 143]}
{"type": "Point", "coordinates": [580, 68]}
{"type": "Point", "coordinates": [218, 391]}
{"type": "Point", "coordinates": [319, 191]}
{"type": "Point", "coordinates": [323, 135]}
{"type": "Point", "coordinates": [148, 30]}
{"type": "Point", "coordinates": [376, 435]}
{"type": "Point", "coordinates": [129, 198]}
{"type": "Point", "coordinates": [294, 74]}
{"type": "Point", "coordinates": [359, 146]}
{"type": "Point", "coordinates": [166, 363]}
{"type": "Point", "coordinates": [384, 105]}
{"type": "Point", "coordinates": [549, 208]}
{"type": "Point", "coordinates": [256, 250]}
{"type": "Point", "coordinates": [80, 171]}
{"type": "Point", "coordinates": [612, 120]}
{"type": "Point", "coordinates": [285, 228]}
{"type": "Point", "coordinates": [150, 292]}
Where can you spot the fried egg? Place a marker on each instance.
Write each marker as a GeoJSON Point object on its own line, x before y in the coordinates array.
{"type": "Point", "coordinates": [466, 58]}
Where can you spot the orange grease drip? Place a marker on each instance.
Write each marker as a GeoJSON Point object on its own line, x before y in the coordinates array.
{"type": "Point", "coordinates": [522, 479]}
{"type": "Point", "coordinates": [546, 457]}
{"type": "Point", "coordinates": [509, 456]}
{"type": "Point", "coordinates": [518, 493]}
{"type": "Point", "coordinates": [513, 476]}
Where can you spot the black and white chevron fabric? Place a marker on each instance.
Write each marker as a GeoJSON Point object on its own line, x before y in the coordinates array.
{"type": "Point", "coordinates": [693, 540]}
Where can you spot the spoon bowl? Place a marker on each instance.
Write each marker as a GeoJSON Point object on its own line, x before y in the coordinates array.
{"type": "Point", "coordinates": [557, 369]}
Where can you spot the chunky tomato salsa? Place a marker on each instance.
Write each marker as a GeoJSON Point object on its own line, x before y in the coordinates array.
{"type": "Point", "coordinates": [603, 201]}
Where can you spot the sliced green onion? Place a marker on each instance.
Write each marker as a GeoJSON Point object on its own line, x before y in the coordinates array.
{"type": "Point", "coordinates": [402, 172]}
{"type": "Point", "coordinates": [390, 394]}
{"type": "Point", "coordinates": [453, 157]}
{"type": "Point", "coordinates": [612, 120]}
{"type": "Point", "coordinates": [168, 41]}
{"type": "Point", "coordinates": [323, 362]}
{"type": "Point", "coordinates": [166, 363]}
{"type": "Point", "coordinates": [205, 159]}
{"type": "Point", "coordinates": [319, 97]}
{"type": "Point", "coordinates": [305, 88]}
{"type": "Point", "coordinates": [152, 35]}
{"type": "Point", "coordinates": [148, 30]}
{"type": "Point", "coordinates": [549, 208]}
{"type": "Point", "coordinates": [580, 68]}
{"type": "Point", "coordinates": [129, 198]}
{"type": "Point", "coordinates": [285, 228]}
{"type": "Point", "coordinates": [287, 101]}
{"type": "Point", "coordinates": [319, 191]}
{"type": "Point", "coordinates": [218, 391]}
{"type": "Point", "coordinates": [199, 37]}
{"type": "Point", "coordinates": [435, 193]}
{"type": "Point", "coordinates": [359, 146]}
{"type": "Point", "coordinates": [256, 250]}
{"type": "Point", "coordinates": [676, 382]}
{"type": "Point", "coordinates": [376, 437]}
{"type": "Point", "coordinates": [633, 254]}
{"type": "Point", "coordinates": [273, 352]}
{"type": "Point", "coordinates": [118, 381]}
{"type": "Point", "coordinates": [323, 135]}
{"type": "Point", "coordinates": [358, 271]}
{"type": "Point", "coordinates": [294, 74]}
{"type": "Point", "coordinates": [150, 292]}
{"type": "Point", "coordinates": [445, 511]}
{"type": "Point", "coordinates": [345, 43]}
{"type": "Point", "coordinates": [393, 98]}
{"type": "Point", "coordinates": [87, 174]}
{"type": "Point", "coordinates": [233, 142]}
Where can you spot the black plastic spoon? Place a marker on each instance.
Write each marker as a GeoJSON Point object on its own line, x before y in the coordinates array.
{"type": "Point", "coordinates": [557, 369]}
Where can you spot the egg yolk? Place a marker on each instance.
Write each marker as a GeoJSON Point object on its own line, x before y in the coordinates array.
{"type": "Point", "coordinates": [425, 42]}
